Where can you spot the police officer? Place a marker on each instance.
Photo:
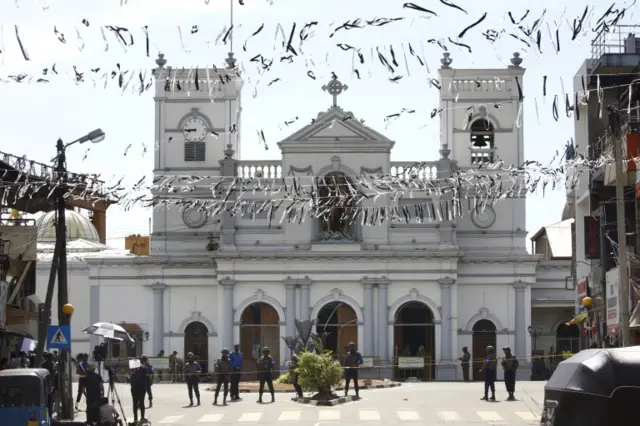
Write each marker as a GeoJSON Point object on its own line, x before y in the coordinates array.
{"type": "Point", "coordinates": [489, 369]}
{"type": "Point", "coordinates": [293, 375]}
{"type": "Point", "coordinates": [510, 365]}
{"type": "Point", "coordinates": [192, 371]}
{"type": "Point", "coordinates": [81, 371]}
{"type": "Point", "coordinates": [223, 374]}
{"type": "Point", "coordinates": [144, 360]}
{"type": "Point", "coordinates": [352, 360]}
{"type": "Point", "coordinates": [464, 362]}
{"type": "Point", "coordinates": [236, 365]}
{"type": "Point", "coordinates": [94, 388]}
{"type": "Point", "coordinates": [265, 374]}
{"type": "Point", "coordinates": [139, 381]}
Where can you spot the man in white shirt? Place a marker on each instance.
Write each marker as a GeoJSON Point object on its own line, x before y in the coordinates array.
{"type": "Point", "coordinates": [108, 414]}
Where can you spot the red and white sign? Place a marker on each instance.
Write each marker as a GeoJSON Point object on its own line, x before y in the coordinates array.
{"type": "Point", "coordinates": [613, 303]}
{"type": "Point", "coordinates": [581, 290]}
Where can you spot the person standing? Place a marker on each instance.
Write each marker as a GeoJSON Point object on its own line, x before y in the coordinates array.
{"type": "Point", "coordinates": [464, 362]}
{"type": "Point", "coordinates": [489, 369]}
{"type": "Point", "coordinates": [159, 372]}
{"type": "Point", "coordinates": [144, 360]}
{"type": "Point", "coordinates": [265, 374]}
{"type": "Point", "coordinates": [94, 388]}
{"type": "Point", "coordinates": [236, 365]}
{"type": "Point", "coordinates": [192, 371]}
{"type": "Point", "coordinates": [293, 375]}
{"type": "Point", "coordinates": [81, 371]}
{"type": "Point", "coordinates": [223, 373]}
{"type": "Point", "coordinates": [352, 361]}
{"type": "Point", "coordinates": [510, 365]}
{"type": "Point", "coordinates": [139, 380]}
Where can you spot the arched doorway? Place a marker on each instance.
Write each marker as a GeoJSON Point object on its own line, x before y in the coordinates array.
{"type": "Point", "coordinates": [260, 327]}
{"type": "Point", "coordinates": [484, 334]}
{"type": "Point", "coordinates": [196, 340]}
{"type": "Point", "coordinates": [568, 338]}
{"type": "Point", "coordinates": [414, 334]}
{"type": "Point", "coordinates": [340, 321]}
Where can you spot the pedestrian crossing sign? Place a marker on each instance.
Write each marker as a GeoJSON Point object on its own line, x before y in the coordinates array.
{"type": "Point", "coordinates": [59, 337]}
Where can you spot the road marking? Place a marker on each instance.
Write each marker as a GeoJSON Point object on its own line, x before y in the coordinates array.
{"type": "Point", "coordinates": [250, 417]}
{"type": "Point", "coordinates": [211, 418]}
{"type": "Point", "coordinates": [290, 415]}
{"type": "Point", "coordinates": [449, 416]}
{"type": "Point", "coordinates": [328, 415]}
{"type": "Point", "coordinates": [489, 416]}
{"type": "Point", "coordinates": [369, 415]}
{"type": "Point", "coordinates": [408, 416]}
{"type": "Point", "coordinates": [170, 419]}
{"type": "Point", "coordinates": [527, 415]}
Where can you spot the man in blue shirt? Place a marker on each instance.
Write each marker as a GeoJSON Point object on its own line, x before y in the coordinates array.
{"type": "Point", "coordinates": [150, 372]}
{"type": "Point", "coordinates": [236, 367]}
{"type": "Point", "coordinates": [352, 360]}
{"type": "Point", "coordinates": [81, 370]}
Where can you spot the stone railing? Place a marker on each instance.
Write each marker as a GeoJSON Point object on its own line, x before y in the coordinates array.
{"type": "Point", "coordinates": [262, 169]}
{"type": "Point", "coordinates": [427, 170]}
{"type": "Point", "coordinates": [481, 86]}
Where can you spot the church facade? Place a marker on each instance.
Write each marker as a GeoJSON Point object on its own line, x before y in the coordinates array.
{"type": "Point", "coordinates": [403, 288]}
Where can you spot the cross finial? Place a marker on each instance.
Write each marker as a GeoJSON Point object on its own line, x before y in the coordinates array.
{"type": "Point", "coordinates": [335, 88]}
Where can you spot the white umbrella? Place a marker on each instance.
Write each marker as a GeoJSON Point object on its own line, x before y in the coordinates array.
{"type": "Point", "coordinates": [109, 331]}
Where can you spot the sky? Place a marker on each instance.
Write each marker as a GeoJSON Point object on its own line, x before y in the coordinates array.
{"type": "Point", "coordinates": [33, 116]}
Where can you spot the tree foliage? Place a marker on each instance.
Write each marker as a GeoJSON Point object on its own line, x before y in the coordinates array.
{"type": "Point", "coordinates": [318, 372]}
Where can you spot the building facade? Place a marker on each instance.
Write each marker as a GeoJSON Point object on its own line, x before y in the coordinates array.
{"type": "Point", "coordinates": [403, 288]}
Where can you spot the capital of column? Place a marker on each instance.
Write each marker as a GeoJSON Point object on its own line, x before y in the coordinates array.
{"type": "Point", "coordinates": [383, 285]}
{"type": "Point", "coordinates": [521, 285]}
{"type": "Point", "coordinates": [227, 283]}
{"type": "Point", "coordinates": [368, 283]}
{"type": "Point", "coordinates": [157, 287]}
{"type": "Point", "coordinates": [446, 282]}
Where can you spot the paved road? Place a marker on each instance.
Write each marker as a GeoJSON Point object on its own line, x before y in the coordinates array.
{"type": "Point", "coordinates": [419, 403]}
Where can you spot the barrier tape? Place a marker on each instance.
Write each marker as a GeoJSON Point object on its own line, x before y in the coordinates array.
{"type": "Point", "coordinates": [457, 363]}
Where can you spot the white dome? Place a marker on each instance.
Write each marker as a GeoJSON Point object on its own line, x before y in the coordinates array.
{"type": "Point", "coordinates": [78, 227]}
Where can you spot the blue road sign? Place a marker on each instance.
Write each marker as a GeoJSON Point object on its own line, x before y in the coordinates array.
{"type": "Point", "coordinates": [59, 337]}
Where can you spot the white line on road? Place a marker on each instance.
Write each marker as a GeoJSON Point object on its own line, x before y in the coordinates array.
{"type": "Point", "coordinates": [324, 415]}
{"type": "Point", "coordinates": [290, 415]}
{"type": "Point", "coordinates": [408, 416]}
{"type": "Point", "coordinates": [527, 415]}
{"type": "Point", "coordinates": [369, 415]}
{"type": "Point", "coordinates": [170, 419]}
{"type": "Point", "coordinates": [489, 416]}
{"type": "Point", "coordinates": [449, 416]}
{"type": "Point", "coordinates": [211, 418]}
{"type": "Point", "coordinates": [250, 417]}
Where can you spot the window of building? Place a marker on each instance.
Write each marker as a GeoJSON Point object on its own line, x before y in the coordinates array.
{"type": "Point", "coordinates": [124, 350]}
{"type": "Point", "coordinates": [482, 142]}
{"type": "Point", "coordinates": [194, 151]}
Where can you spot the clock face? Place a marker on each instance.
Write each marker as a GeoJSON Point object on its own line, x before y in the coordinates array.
{"type": "Point", "coordinates": [484, 217]}
{"type": "Point", "coordinates": [194, 129]}
{"type": "Point", "coordinates": [194, 218]}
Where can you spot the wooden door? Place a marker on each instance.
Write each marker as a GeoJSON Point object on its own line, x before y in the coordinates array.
{"type": "Point", "coordinates": [347, 327]}
{"type": "Point", "coordinates": [479, 351]}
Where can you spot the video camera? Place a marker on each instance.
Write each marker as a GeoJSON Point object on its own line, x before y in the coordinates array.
{"type": "Point", "coordinates": [100, 352]}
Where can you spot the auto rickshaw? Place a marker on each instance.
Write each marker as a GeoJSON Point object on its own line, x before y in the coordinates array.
{"type": "Point", "coordinates": [595, 387]}
{"type": "Point", "coordinates": [23, 397]}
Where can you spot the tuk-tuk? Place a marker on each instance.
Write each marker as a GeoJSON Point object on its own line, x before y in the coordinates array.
{"type": "Point", "coordinates": [595, 387]}
{"type": "Point", "coordinates": [23, 397]}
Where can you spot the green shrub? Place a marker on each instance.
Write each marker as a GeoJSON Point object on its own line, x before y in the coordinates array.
{"type": "Point", "coordinates": [285, 379]}
{"type": "Point", "coordinates": [318, 372]}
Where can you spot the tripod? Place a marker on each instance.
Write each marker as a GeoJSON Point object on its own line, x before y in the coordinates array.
{"type": "Point", "coordinates": [113, 393]}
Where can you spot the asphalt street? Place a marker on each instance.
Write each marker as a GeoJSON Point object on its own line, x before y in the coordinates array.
{"type": "Point", "coordinates": [420, 403]}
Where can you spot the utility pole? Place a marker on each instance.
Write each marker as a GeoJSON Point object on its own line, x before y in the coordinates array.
{"type": "Point", "coordinates": [623, 271]}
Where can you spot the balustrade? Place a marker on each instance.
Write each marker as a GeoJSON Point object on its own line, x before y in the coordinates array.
{"type": "Point", "coordinates": [260, 169]}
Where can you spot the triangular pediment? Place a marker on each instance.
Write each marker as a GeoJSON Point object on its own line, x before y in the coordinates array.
{"type": "Point", "coordinates": [337, 125]}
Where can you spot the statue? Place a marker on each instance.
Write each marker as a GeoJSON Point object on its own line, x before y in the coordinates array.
{"type": "Point", "coordinates": [336, 198]}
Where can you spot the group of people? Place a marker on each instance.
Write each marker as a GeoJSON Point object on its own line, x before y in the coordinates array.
{"type": "Point", "coordinates": [509, 364]}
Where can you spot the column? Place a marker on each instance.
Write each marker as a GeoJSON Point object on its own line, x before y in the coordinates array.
{"type": "Point", "coordinates": [94, 311]}
{"type": "Point", "coordinates": [227, 312]}
{"type": "Point", "coordinates": [228, 168]}
{"type": "Point", "coordinates": [520, 350]}
{"type": "Point", "coordinates": [383, 321]}
{"type": "Point", "coordinates": [290, 308]}
{"type": "Point", "coordinates": [446, 369]}
{"type": "Point", "coordinates": [158, 316]}
{"type": "Point", "coordinates": [304, 300]}
{"type": "Point", "coordinates": [368, 348]}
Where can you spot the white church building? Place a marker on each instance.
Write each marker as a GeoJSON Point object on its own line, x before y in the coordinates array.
{"type": "Point", "coordinates": [399, 289]}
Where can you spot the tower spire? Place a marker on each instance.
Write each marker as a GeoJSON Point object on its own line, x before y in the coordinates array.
{"type": "Point", "coordinates": [231, 61]}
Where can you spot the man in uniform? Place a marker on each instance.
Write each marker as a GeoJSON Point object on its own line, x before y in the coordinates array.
{"type": "Point", "coordinates": [139, 381]}
{"type": "Point", "coordinates": [265, 374]}
{"type": "Point", "coordinates": [293, 375]}
{"type": "Point", "coordinates": [223, 373]}
{"type": "Point", "coordinates": [144, 360]}
{"type": "Point", "coordinates": [236, 365]}
{"type": "Point", "coordinates": [464, 362]}
{"type": "Point", "coordinates": [94, 387]}
{"type": "Point", "coordinates": [192, 371]}
{"type": "Point", "coordinates": [510, 365]}
{"type": "Point", "coordinates": [489, 368]}
{"type": "Point", "coordinates": [81, 371]}
{"type": "Point", "coordinates": [352, 360]}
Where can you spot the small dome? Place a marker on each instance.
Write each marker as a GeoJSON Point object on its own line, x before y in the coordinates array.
{"type": "Point", "coordinates": [78, 226]}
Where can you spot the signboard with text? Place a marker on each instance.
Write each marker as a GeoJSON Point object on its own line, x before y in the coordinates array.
{"type": "Point", "coordinates": [613, 302]}
{"type": "Point", "coordinates": [410, 362]}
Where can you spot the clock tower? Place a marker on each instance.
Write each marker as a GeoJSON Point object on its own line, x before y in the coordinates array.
{"type": "Point", "coordinates": [197, 119]}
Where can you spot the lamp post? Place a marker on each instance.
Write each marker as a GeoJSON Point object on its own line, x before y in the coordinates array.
{"type": "Point", "coordinates": [534, 334]}
{"type": "Point", "coordinates": [64, 309]}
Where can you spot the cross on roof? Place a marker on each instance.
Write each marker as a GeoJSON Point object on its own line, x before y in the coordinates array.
{"type": "Point", "coordinates": [335, 88]}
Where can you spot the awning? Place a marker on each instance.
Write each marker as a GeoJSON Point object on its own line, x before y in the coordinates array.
{"type": "Point", "coordinates": [132, 328]}
{"type": "Point", "coordinates": [635, 317]}
{"type": "Point", "coordinates": [16, 330]}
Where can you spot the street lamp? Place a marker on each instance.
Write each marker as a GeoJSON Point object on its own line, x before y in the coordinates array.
{"type": "Point", "coordinates": [60, 254]}
{"type": "Point", "coordinates": [534, 334]}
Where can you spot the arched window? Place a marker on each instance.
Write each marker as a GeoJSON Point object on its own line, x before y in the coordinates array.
{"type": "Point", "coordinates": [335, 206]}
{"type": "Point", "coordinates": [482, 142]}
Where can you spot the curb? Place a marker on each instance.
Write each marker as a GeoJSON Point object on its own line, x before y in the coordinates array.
{"type": "Point", "coordinates": [383, 386]}
{"type": "Point", "coordinates": [330, 403]}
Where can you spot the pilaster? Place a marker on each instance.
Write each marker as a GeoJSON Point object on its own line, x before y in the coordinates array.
{"type": "Point", "coordinates": [368, 325]}
{"type": "Point", "coordinates": [94, 311]}
{"type": "Point", "coordinates": [383, 320]}
{"type": "Point", "coordinates": [227, 312]}
{"type": "Point", "coordinates": [446, 368]}
{"type": "Point", "coordinates": [520, 350]}
{"type": "Point", "coordinates": [228, 169]}
{"type": "Point", "coordinates": [290, 308]}
{"type": "Point", "coordinates": [158, 290]}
